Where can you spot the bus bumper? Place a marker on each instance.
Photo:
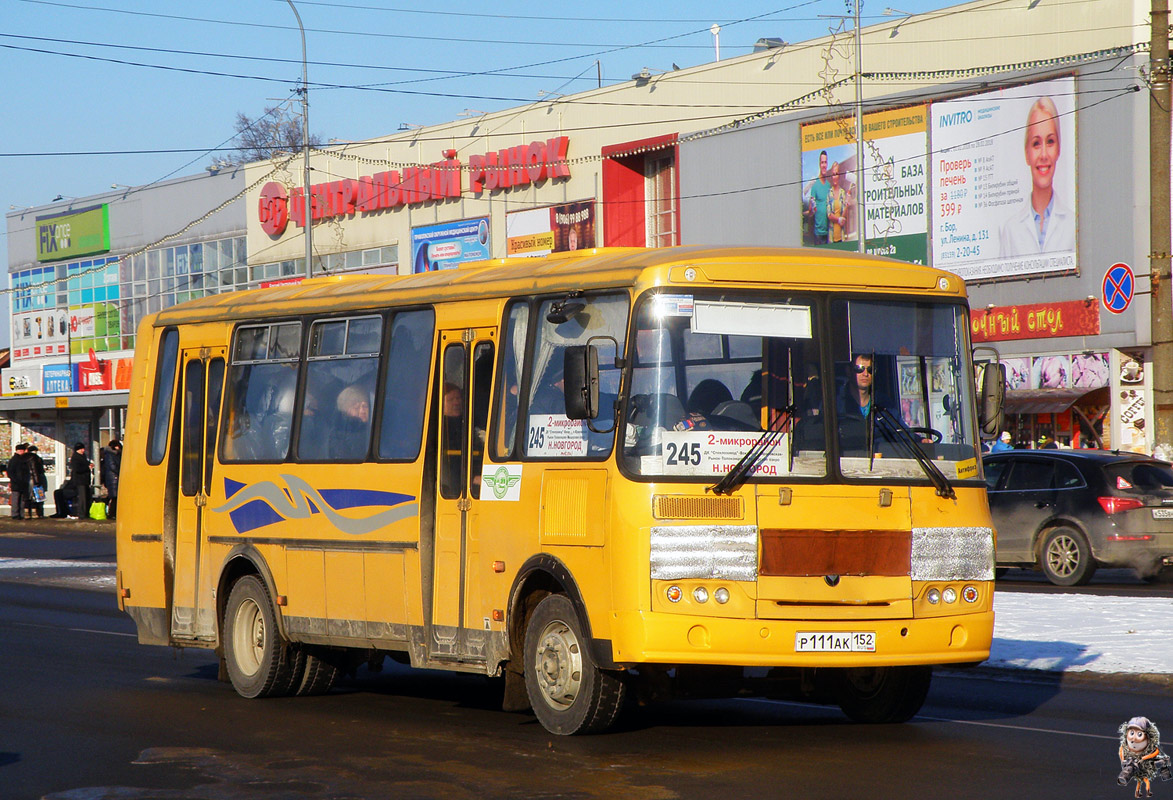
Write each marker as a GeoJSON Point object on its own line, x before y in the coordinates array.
{"type": "Point", "coordinates": [658, 638]}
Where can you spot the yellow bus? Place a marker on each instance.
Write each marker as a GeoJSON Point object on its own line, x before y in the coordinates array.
{"type": "Point", "coordinates": [602, 474]}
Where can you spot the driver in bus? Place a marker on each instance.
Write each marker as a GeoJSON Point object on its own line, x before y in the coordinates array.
{"type": "Point", "coordinates": [856, 399]}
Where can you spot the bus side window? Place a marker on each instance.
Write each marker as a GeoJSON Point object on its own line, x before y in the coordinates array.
{"type": "Point", "coordinates": [482, 376]}
{"type": "Point", "coordinates": [453, 421]}
{"type": "Point", "coordinates": [509, 389]}
{"type": "Point", "coordinates": [405, 393]}
{"type": "Point", "coordinates": [164, 394]}
{"type": "Point", "coordinates": [262, 384]}
{"type": "Point", "coordinates": [341, 369]}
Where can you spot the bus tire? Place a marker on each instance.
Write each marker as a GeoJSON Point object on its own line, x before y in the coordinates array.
{"type": "Point", "coordinates": [260, 663]}
{"type": "Point", "coordinates": [319, 674]}
{"type": "Point", "coordinates": [883, 694]}
{"type": "Point", "coordinates": [567, 691]}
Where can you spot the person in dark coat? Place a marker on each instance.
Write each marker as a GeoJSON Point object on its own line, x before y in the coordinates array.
{"type": "Point", "coordinates": [38, 483]}
{"type": "Point", "coordinates": [111, 464]}
{"type": "Point", "coordinates": [81, 475]}
{"type": "Point", "coordinates": [18, 481]}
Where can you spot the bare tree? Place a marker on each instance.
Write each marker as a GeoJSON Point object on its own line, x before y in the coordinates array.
{"type": "Point", "coordinates": [276, 132]}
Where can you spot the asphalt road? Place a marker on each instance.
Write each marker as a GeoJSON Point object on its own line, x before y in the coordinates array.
{"type": "Point", "coordinates": [88, 714]}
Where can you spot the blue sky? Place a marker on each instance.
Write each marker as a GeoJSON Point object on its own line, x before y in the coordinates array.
{"type": "Point", "coordinates": [101, 92]}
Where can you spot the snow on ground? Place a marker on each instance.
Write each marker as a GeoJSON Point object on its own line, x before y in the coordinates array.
{"type": "Point", "coordinates": [1082, 633]}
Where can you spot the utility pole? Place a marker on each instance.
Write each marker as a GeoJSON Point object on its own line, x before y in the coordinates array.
{"type": "Point", "coordinates": [1161, 296]}
{"type": "Point", "coordinates": [305, 144]}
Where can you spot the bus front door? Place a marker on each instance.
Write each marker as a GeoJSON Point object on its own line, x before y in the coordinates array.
{"type": "Point", "coordinates": [461, 406]}
{"type": "Point", "coordinates": [192, 610]}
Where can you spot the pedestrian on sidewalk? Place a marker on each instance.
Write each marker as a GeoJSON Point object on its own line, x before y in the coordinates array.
{"type": "Point", "coordinates": [111, 465]}
{"type": "Point", "coordinates": [81, 475]}
{"type": "Point", "coordinates": [18, 481]}
{"type": "Point", "coordinates": [38, 484]}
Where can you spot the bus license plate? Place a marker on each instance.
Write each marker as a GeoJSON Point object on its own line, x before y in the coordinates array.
{"type": "Point", "coordinates": [854, 642]}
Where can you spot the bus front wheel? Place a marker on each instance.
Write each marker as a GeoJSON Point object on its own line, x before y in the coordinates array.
{"type": "Point", "coordinates": [259, 663]}
{"type": "Point", "coordinates": [567, 692]}
{"type": "Point", "coordinates": [883, 694]}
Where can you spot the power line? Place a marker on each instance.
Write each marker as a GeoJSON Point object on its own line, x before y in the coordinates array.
{"type": "Point", "coordinates": [397, 36]}
{"type": "Point", "coordinates": [502, 70]}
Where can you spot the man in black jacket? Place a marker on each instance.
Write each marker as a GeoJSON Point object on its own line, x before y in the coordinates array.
{"type": "Point", "coordinates": [111, 464]}
{"type": "Point", "coordinates": [38, 483]}
{"type": "Point", "coordinates": [18, 481]}
{"type": "Point", "coordinates": [81, 475]}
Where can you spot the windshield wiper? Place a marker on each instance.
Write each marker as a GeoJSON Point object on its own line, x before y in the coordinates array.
{"type": "Point", "coordinates": [894, 427]}
{"type": "Point", "coordinates": [739, 472]}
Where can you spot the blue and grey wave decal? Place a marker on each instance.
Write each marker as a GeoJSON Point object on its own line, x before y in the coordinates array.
{"type": "Point", "coordinates": [266, 503]}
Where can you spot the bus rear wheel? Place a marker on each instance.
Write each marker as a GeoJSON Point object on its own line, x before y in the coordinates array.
{"type": "Point", "coordinates": [260, 663]}
{"type": "Point", "coordinates": [567, 691]}
{"type": "Point", "coordinates": [883, 694]}
{"type": "Point", "coordinates": [319, 674]}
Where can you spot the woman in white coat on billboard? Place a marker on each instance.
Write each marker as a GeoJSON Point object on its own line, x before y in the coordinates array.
{"type": "Point", "coordinates": [1044, 223]}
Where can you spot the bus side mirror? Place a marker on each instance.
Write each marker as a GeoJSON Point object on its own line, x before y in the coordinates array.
{"type": "Point", "coordinates": [581, 381]}
{"type": "Point", "coordinates": [992, 401]}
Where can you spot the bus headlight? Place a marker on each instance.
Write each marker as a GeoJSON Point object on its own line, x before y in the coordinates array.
{"type": "Point", "coordinates": [949, 595]}
{"type": "Point", "coordinates": [700, 594]}
{"type": "Point", "coordinates": [933, 596]}
{"type": "Point", "coordinates": [721, 595]}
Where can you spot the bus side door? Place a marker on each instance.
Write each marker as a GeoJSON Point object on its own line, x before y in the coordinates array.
{"type": "Point", "coordinates": [461, 405]}
{"type": "Point", "coordinates": [192, 610]}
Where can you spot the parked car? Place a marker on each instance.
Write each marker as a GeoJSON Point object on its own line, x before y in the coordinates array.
{"type": "Point", "coordinates": [1068, 511]}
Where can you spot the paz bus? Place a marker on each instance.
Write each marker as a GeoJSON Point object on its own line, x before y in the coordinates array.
{"type": "Point", "coordinates": [598, 475]}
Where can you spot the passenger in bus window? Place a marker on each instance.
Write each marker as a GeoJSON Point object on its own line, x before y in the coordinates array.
{"type": "Point", "coordinates": [315, 425]}
{"type": "Point", "coordinates": [550, 397]}
{"type": "Point", "coordinates": [353, 429]}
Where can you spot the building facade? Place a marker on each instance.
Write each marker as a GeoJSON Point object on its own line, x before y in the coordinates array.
{"type": "Point", "coordinates": [83, 273]}
{"type": "Point", "coordinates": [760, 149]}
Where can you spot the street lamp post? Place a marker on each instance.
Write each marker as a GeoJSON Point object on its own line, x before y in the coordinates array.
{"type": "Point", "coordinates": [859, 167]}
{"type": "Point", "coordinates": [307, 198]}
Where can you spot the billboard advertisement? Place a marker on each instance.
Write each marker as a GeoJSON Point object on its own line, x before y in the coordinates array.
{"type": "Point", "coordinates": [447, 245]}
{"type": "Point", "coordinates": [58, 378]}
{"type": "Point", "coordinates": [73, 233]}
{"type": "Point", "coordinates": [1003, 181]}
{"type": "Point", "coordinates": [895, 206]}
{"type": "Point", "coordinates": [21, 381]}
{"type": "Point", "coordinates": [36, 334]}
{"type": "Point", "coordinates": [554, 229]}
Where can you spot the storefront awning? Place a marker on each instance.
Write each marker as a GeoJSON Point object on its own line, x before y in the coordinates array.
{"type": "Point", "coordinates": [1052, 401]}
{"type": "Point", "coordinates": [13, 407]}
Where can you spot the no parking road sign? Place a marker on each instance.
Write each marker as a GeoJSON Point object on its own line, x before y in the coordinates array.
{"type": "Point", "coordinates": [1117, 288]}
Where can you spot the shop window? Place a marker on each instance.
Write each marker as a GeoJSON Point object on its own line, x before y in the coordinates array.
{"type": "Point", "coordinates": [640, 206]}
{"type": "Point", "coordinates": [660, 193]}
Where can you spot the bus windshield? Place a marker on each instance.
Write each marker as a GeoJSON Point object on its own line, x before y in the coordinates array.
{"type": "Point", "coordinates": [886, 391]}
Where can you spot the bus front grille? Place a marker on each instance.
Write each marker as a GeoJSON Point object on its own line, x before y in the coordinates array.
{"type": "Point", "coordinates": [670, 506]}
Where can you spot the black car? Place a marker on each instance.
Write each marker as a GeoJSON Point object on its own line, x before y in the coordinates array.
{"type": "Point", "coordinates": [1068, 511]}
